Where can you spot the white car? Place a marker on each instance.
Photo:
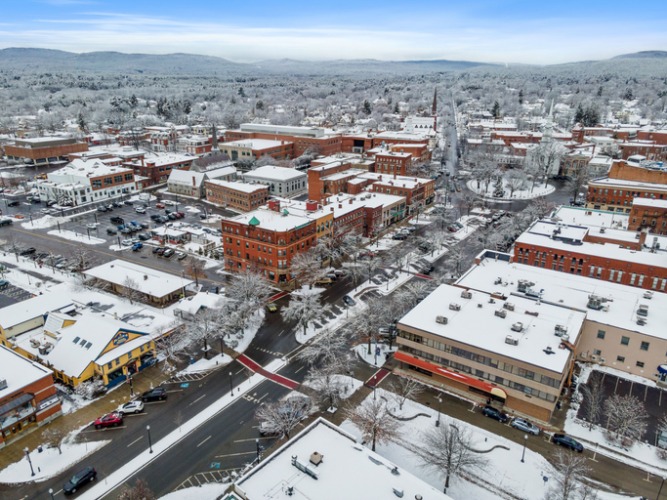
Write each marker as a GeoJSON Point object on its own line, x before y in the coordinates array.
{"type": "Point", "coordinates": [168, 202]}
{"type": "Point", "coordinates": [140, 210]}
{"type": "Point", "coordinates": [92, 225]}
{"type": "Point", "coordinates": [127, 243]}
{"type": "Point", "coordinates": [131, 407]}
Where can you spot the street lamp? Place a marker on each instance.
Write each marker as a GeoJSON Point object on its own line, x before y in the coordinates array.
{"type": "Point", "coordinates": [150, 443]}
{"type": "Point", "coordinates": [258, 449]}
{"type": "Point", "coordinates": [231, 386]}
{"type": "Point", "coordinates": [523, 454]}
{"type": "Point", "coordinates": [51, 493]}
{"type": "Point", "coordinates": [27, 455]}
{"type": "Point", "coordinates": [437, 422]}
{"type": "Point", "coordinates": [374, 386]}
{"type": "Point", "coordinates": [660, 490]}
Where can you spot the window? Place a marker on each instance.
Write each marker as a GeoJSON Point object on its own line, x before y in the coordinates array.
{"type": "Point", "coordinates": [620, 359]}
{"type": "Point", "coordinates": [625, 340]}
{"type": "Point", "coordinates": [597, 352]}
{"type": "Point", "coordinates": [601, 334]}
{"type": "Point", "coordinates": [644, 346]}
{"type": "Point", "coordinates": [640, 364]}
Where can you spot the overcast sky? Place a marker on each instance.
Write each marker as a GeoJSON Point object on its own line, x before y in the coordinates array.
{"type": "Point", "coordinates": [501, 31]}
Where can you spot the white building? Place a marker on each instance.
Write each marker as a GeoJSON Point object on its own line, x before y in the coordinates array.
{"type": "Point", "coordinates": [187, 183]}
{"type": "Point", "coordinates": [283, 182]}
{"type": "Point", "coordinates": [84, 181]}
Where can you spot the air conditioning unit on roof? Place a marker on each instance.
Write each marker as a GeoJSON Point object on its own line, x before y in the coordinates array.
{"type": "Point", "coordinates": [441, 319]}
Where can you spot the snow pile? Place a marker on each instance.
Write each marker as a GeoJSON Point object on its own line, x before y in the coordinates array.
{"type": "Point", "coordinates": [74, 236]}
{"type": "Point", "coordinates": [211, 490]}
{"type": "Point", "coordinates": [204, 365]}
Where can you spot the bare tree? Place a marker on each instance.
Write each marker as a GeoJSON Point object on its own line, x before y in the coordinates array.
{"type": "Point", "coordinates": [283, 416]}
{"type": "Point", "coordinates": [194, 269]}
{"type": "Point", "coordinates": [249, 290]}
{"type": "Point", "coordinates": [304, 307]}
{"type": "Point", "coordinates": [171, 348]}
{"type": "Point", "coordinates": [130, 290]}
{"type": "Point", "coordinates": [330, 346]}
{"type": "Point", "coordinates": [374, 421]}
{"type": "Point", "coordinates": [543, 161]}
{"type": "Point", "coordinates": [448, 449]}
{"type": "Point", "coordinates": [54, 435]}
{"type": "Point", "coordinates": [515, 180]}
{"type": "Point", "coordinates": [593, 399]}
{"type": "Point", "coordinates": [307, 268]}
{"type": "Point", "coordinates": [572, 469]}
{"type": "Point", "coordinates": [140, 491]}
{"type": "Point", "coordinates": [204, 327]}
{"type": "Point", "coordinates": [368, 320]}
{"type": "Point", "coordinates": [405, 388]}
{"type": "Point", "coordinates": [627, 416]}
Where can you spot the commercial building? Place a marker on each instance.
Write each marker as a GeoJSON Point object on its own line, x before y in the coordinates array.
{"type": "Point", "coordinates": [253, 149]}
{"type": "Point", "coordinates": [236, 195]}
{"type": "Point", "coordinates": [390, 163]}
{"type": "Point", "coordinates": [283, 182]}
{"type": "Point", "coordinates": [44, 150]}
{"type": "Point", "coordinates": [187, 183]}
{"type": "Point", "coordinates": [491, 347]}
{"type": "Point", "coordinates": [650, 214]}
{"type": "Point", "coordinates": [84, 181]}
{"type": "Point", "coordinates": [28, 396]}
{"type": "Point", "coordinates": [266, 240]}
{"type": "Point", "coordinates": [157, 167]}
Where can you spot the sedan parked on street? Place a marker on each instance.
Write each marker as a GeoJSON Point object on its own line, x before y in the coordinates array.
{"type": "Point", "coordinates": [134, 407]}
{"type": "Point", "coordinates": [495, 413]}
{"type": "Point", "coordinates": [524, 425]}
{"type": "Point", "coordinates": [79, 479]}
{"type": "Point", "coordinates": [567, 442]}
{"type": "Point", "coordinates": [157, 394]}
{"type": "Point", "coordinates": [113, 419]}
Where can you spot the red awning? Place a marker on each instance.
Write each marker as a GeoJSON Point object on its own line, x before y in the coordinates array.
{"type": "Point", "coordinates": [451, 375]}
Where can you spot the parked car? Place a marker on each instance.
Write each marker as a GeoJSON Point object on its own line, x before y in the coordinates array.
{"type": "Point", "coordinates": [399, 236]}
{"type": "Point", "coordinates": [137, 246]}
{"type": "Point", "coordinates": [155, 217]}
{"type": "Point", "coordinates": [181, 255]}
{"type": "Point", "coordinates": [524, 425]}
{"type": "Point", "coordinates": [495, 413]}
{"type": "Point", "coordinates": [568, 442]}
{"type": "Point", "coordinates": [159, 205]}
{"type": "Point", "coordinates": [81, 478]}
{"type": "Point", "coordinates": [324, 281]}
{"type": "Point", "coordinates": [50, 203]}
{"type": "Point", "coordinates": [117, 220]}
{"type": "Point", "coordinates": [27, 251]}
{"type": "Point", "coordinates": [13, 203]}
{"type": "Point", "coordinates": [136, 406]}
{"type": "Point", "coordinates": [159, 250]}
{"type": "Point", "coordinates": [168, 202]}
{"type": "Point", "coordinates": [144, 236]}
{"type": "Point", "coordinates": [272, 307]}
{"type": "Point", "coordinates": [3, 284]}
{"type": "Point", "coordinates": [92, 225]}
{"type": "Point", "coordinates": [113, 419]}
{"type": "Point", "coordinates": [169, 252]}
{"type": "Point", "coordinates": [172, 216]}
{"type": "Point", "coordinates": [129, 202]}
{"type": "Point", "coordinates": [140, 210]}
{"type": "Point", "coordinates": [6, 222]}
{"type": "Point", "coordinates": [157, 394]}
{"type": "Point", "coordinates": [102, 208]}
{"type": "Point", "coordinates": [126, 243]}
{"type": "Point", "coordinates": [349, 301]}
{"type": "Point", "coordinates": [117, 204]}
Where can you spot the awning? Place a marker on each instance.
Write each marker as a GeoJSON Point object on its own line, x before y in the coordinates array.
{"type": "Point", "coordinates": [662, 369]}
{"type": "Point", "coordinates": [15, 403]}
{"type": "Point", "coordinates": [451, 375]}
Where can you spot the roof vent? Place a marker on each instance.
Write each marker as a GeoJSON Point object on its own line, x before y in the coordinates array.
{"type": "Point", "coordinates": [641, 321]}
{"type": "Point", "coordinates": [509, 306]}
{"type": "Point", "coordinates": [517, 327]}
{"type": "Point", "coordinates": [454, 306]}
{"type": "Point", "coordinates": [549, 350]}
{"type": "Point", "coordinates": [466, 294]}
{"type": "Point", "coordinates": [648, 294]}
{"type": "Point", "coordinates": [3, 384]}
{"type": "Point", "coordinates": [441, 319]}
{"type": "Point", "coordinates": [523, 285]}
{"type": "Point", "coordinates": [643, 310]}
{"type": "Point", "coordinates": [501, 313]}
{"type": "Point", "coordinates": [511, 340]}
{"type": "Point", "coordinates": [560, 330]}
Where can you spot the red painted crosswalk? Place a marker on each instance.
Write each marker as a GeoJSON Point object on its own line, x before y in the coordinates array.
{"type": "Point", "coordinates": [274, 377]}
{"type": "Point", "coordinates": [375, 379]}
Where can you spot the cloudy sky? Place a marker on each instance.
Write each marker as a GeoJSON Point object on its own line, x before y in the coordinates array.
{"type": "Point", "coordinates": [502, 31]}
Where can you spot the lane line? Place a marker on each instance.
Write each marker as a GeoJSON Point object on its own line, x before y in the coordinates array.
{"type": "Point", "coordinates": [198, 399]}
{"type": "Point", "coordinates": [237, 454]}
{"type": "Point", "coordinates": [136, 440]}
{"type": "Point", "coordinates": [253, 439]}
{"type": "Point", "coordinates": [203, 441]}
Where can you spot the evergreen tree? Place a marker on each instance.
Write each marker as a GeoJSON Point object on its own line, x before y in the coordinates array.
{"type": "Point", "coordinates": [495, 111]}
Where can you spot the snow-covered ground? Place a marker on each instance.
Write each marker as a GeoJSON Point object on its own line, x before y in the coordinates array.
{"type": "Point", "coordinates": [519, 194]}
{"type": "Point", "coordinates": [504, 469]}
{"type": "Point", "coordinates": [211, 490]}
{"type": "Point", "coordinates": [346, 385]}
{"type": "Point", "coordinates": [74, 236]}
{"type": "Point", "coordinates": [361, 350]}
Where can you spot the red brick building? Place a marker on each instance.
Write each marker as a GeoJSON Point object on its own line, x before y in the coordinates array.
{"type": "Point", "coordinates": [301, 139]}
{"type": "Point", "coordinates": [648, 213]}
{"type": "Point", "coordinates": [391, 163]}
{"type": "Point", "coordinates": [44, 150]}
{"type": "Point", "coordinates": [156, 169]}
{"type": "Point", "coordinates": [236, 195]}
{"type": "Point", "coordinates": [266, 240]}
{"type": "Point", "coordinates": [28, 397]}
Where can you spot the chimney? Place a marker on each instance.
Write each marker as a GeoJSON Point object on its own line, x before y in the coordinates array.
{"type": "Point", "coordinates": [193, 181]}
{"type": "Point", "coordinates": [274, 205]}
{"type": "Point", "coordinates": [351, 200]}
{"type": "Point", "coordinates": [340, 205]}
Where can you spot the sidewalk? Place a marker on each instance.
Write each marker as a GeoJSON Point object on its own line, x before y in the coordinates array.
{"type": "Point", "coordinates": [13, 452]}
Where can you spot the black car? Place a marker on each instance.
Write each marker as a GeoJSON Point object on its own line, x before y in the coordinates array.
{"type": "Point", "coordinates": [157, 394]}
{"type": "Point", "coordinates": [568, 442]}
{"type": "Point", "coordinates": [6, 222]}
{"type": "Point", "coordinates": [349, 301]}
{"type": "Point", "coordinates": [111, 230]}
{"type": "Point", "coordinates": [13, 203]}
{"type": "Point", "coordinates": [117, 220]}
{"type": "Point", "coordinates": [79, 479]}
{"type": "Point", "coordinates": [495, 413]}
{"type": "Point", "coordinates": [102, 209]}
{"type": "Point", "coordinates": [27, 251]}
{"type": "Point", "coordinates": [129, 202]}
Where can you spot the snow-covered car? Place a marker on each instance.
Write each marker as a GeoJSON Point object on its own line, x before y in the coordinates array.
{"type": "Point", "coordinates": [181, 255]}
{"type": "Point", "coordinates": [92, 225]}
{"type": "Point", "coordinates": [168, 202]}
{"type": "Point", "coordinates": [524, 425]}
{"type": "Point", "coordinates": [135, 407]}
{"type": "Point", "coordinates": [349, 301]}
{"type": "Point", "coordinates": [140, 210]}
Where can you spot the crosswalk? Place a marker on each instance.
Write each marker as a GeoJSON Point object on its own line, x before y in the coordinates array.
{"type": "Point", "coordinates": [269, 351]}
{"type": "Point", "coordinates": [189, 377]}
{"type": "Point", "coordinates": [214, 476]}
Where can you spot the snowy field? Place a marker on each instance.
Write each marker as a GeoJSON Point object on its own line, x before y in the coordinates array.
{"type": "Point", "coordinates": [524, 193]}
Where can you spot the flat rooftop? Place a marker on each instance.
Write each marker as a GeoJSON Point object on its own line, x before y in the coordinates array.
{"type": "Point", "coordinates": [274, 172]}
{"type": "Point", "coordinates": [473, 321]}
{"type": "Point", "coordinates": [591, 218]}
{"type": "Point", "coordinates": [18, 371]}
{"type": "Point", "coordinates": [571, 291]}
{"type": "Point", "coordinates": [271, 220]}
{"type": "Point", "coordinates": [347, 470]}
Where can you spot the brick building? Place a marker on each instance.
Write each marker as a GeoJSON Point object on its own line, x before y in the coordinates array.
{"type": "Point", "coordinates": [301, 139]}
{"type": "Point", "coordinates": [266, 240]}
{"type": "Point", "coordinates": [253, 149]}
{"type": "Point", "coordinates": [156, 169]}
{"type": "Point", "coordinates": [44, 150]}
{"type": "Point", "coordinates": [28, 396]}
{"type": "Point", "coordinates": [648, 213]}
{"type": "Point", "coordinates": [393, 163]}
{"type": "Point", "coordinates": [236, 195]}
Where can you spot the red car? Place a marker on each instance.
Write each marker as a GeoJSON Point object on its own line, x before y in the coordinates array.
{"type": "Point", "coordinates": [159, 205]}
{"type": "Point", "coordinates": [113, 419]}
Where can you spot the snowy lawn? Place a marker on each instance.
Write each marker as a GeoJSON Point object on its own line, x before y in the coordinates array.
{"type": "Point", "coordinates": [519, 194]}
{"type": "Point", "coordinates": [346, 385]}
{"type": "Point", "coordinates": [74, 236]}
{"type": "Point", "coordinates": [49, 462]}
{"type": "Point", "coordinates": [362, 351]}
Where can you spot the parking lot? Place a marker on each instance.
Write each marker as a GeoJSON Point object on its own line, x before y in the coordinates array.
{"type": "Point", "coordinates": [12, 294]}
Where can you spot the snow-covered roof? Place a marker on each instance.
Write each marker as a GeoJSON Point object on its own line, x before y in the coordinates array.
{"type": "Point", "coordinates": [147, 280]}
{"type": "Point", "coordinates": [186, 177]}
{"type": "Point", "coordinates": [649, 202]}
{"type": "Point", "coordinates": [89, 168]}
{"type": "Point", "coordinates": [258, 144]}
{"type": "Point", "coordinates": [571, 291]}
{"type": "Point", "coordinates": [23, 311]}
{"type": "Point", "coordinates": [18, 371]}
{"type": "Point", "coordinates": [347, 470]}
{"type": "Point", "coordinates": [273, 172]}
{"type": "Point", "coordinates": [271, 220]}
{"type": "Point", "coordinates": [591, 218]}
{"type": "Point", "coordinates": [473, 321]}
{"type": "Point", "coordinates": [243, 187]}
{"type": "Point", "coordinates": [395, 180]}
{"type": "Point", "coordinates": [193, 304]}
{"type": "Point", "coordinates": [624, 183]}
{"type": "Point", "coordinates": [214, 173]}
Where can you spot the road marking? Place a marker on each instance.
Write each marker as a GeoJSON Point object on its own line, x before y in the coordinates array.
{"type": "Point", "coordinates": [196, 400]}
{"type": "Point", "coordinates": [260, 399]}
{"type": "Point", "coordinates": [237, 454]}
{"type": "Point", "coordinates": [240, 371]}
{"type": "Point", "coordinates": [281, 332]}
{"type": "Point", "coordinates": [253, 439]}
{"type": "Point", "coordinates": [138, 439]}
{"type": "Point", "coordinates": [203, 441]}
{"type": "Point", "coordinates": [298, 370]}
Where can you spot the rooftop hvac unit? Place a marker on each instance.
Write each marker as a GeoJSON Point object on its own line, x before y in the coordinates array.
{"type": "Point", "coordinates": [511, 340]}
{"type": "Point", "coordinates": [648, 294]}
{"type": "Point", "coordinates": [454, 306]}
{"type": "Point", "coordinates": [517, 327]}
{"type": "Point", "coordinates": [560, 330]}
{"type": "Point", "coordinates": [509, 306]}
{"type": "Point", "coordinates": [595, 302]}
{"type": "Point", "coordinates": [3, 384]}
{"type": "Point", "coordinates": [641, 321]}
{"type": "Point", "coordinates": [643, 310]}
{"type": "Point", "coordinates": [466, 294]}
{"type": "Point", "coordinates": [441, 319]}
{"type": "Point", "coordinates": [501, 313]}
{"type": "Point", "coordinates": [523, 285]}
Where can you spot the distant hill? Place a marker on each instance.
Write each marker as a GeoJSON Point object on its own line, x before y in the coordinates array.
{"type": "Point", "coordinates": [661, 54]}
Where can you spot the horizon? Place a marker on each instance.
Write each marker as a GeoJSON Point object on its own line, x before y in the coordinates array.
{"type": "Point", "coordinates": [482, 31]}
